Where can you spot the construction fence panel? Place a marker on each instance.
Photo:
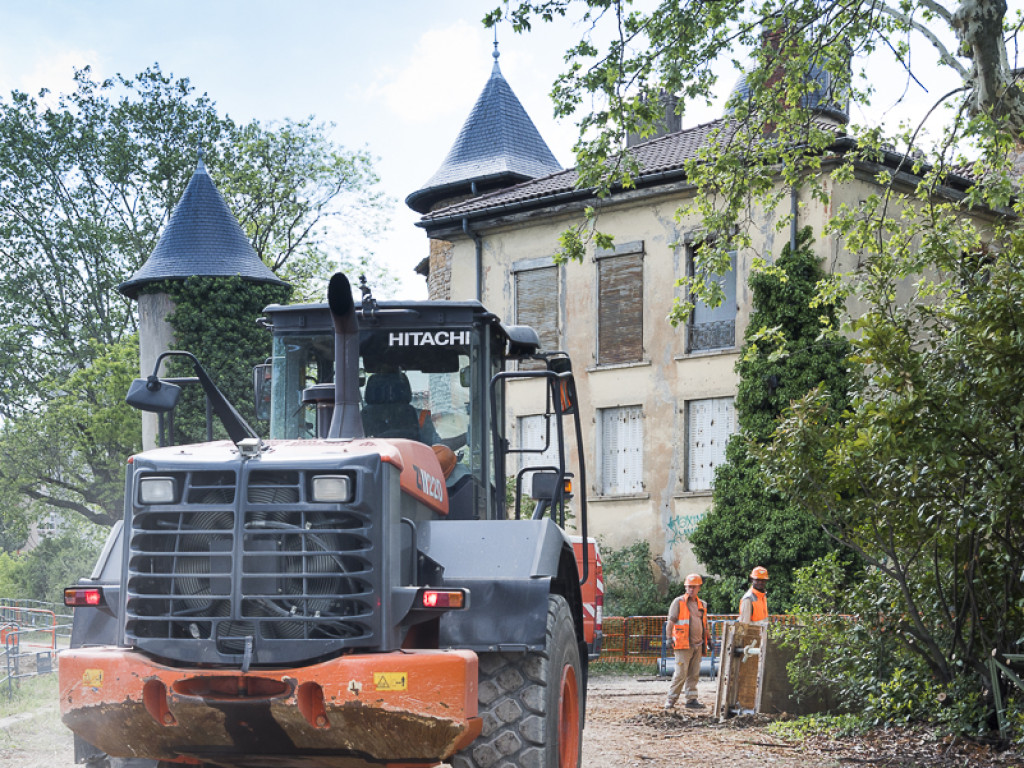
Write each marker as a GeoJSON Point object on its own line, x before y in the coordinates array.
{"type": "Point", "coordinates": [31, 635]}
{"type": "Point", "coordinates": [642, 640]}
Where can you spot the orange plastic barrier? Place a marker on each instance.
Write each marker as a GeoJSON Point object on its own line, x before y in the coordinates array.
{"type": "Point", "coordinates": [638, 639]}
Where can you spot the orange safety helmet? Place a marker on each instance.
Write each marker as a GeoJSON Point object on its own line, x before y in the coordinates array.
{"type": "Point", "coordinates": [694, 580]}
{"type": "Point", "coordinates": [760, 572]}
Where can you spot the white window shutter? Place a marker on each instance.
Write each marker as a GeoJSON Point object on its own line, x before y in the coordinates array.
{"type": "Point", "coordinates": [532, 434]}
{"type": "Point", "coordinates": [622, 450]}
{"type": "Point", "coordinates": [710, 423]}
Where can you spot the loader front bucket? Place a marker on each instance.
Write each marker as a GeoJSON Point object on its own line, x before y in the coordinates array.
{"type": "Point", "coordinates": [390, 709]}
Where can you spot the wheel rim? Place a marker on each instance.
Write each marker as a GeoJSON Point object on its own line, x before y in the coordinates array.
{"type": "Point", "coordinates": [568, 720]}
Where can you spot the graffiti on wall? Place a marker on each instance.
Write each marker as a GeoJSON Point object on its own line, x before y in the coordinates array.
{"type": "Point", "coordinates": [681, 526]}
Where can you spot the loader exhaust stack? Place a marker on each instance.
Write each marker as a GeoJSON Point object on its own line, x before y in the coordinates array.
{"type": "Point", "coordinates": [346, 422]}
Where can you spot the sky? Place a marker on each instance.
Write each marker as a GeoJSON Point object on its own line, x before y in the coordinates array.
{"type": "Point", "coordinates": [397, 77]}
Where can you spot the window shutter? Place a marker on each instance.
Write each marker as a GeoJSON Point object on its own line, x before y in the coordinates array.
{"type": "Point", "coordinates": [531, 437]}
{"type": "Point", "coordinates": [710, 423]}
{"type": "Point", "coordinates": [620, 310]}
{"type": "Point", "coordinates": [537, 307]}
{"type": "Point", "coordinates": [622, 440]}
{"type": "Point", "coordinates": [537, 304]}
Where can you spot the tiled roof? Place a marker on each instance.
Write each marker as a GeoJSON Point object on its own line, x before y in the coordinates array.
{"type": "Point", "coordinates": [498, 143]}
{"type": "Point", "coordinates": [202, 238]}
{"type": "Point", "coordinates": [658, 156]}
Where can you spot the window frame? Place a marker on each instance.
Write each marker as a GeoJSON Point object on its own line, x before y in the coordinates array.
{"type": "Point", "coordinates": [693, 243]}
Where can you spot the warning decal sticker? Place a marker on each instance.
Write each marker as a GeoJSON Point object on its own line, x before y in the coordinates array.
{"type": "Point", "coordinates": [390, 681]}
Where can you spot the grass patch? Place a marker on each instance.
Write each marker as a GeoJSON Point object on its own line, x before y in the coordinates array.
{"type": "Point", "coordinates": [621, 669]}
{"type": "Point", "coordinates": [27, 694]}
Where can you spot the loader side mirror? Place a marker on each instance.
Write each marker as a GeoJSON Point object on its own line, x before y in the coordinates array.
{"type": "Point", "coordinates": [261, 375]}
{"type": "Point", "coordinates": [565, 385]}
{"type": "Point", "coordinates": [153, 395]}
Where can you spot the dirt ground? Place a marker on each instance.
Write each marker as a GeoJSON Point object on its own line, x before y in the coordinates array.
{"type": "Point", "coordinates": [626, 728]}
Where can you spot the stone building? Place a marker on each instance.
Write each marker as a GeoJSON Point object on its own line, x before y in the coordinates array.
{"type": "Point", "coordinates": [660, 398]}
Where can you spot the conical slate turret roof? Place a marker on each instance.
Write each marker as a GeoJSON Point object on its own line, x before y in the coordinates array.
{"type": "Point", "coordinates": [202, 238]}
{"type": "Point", "coordinates": [497, 147]}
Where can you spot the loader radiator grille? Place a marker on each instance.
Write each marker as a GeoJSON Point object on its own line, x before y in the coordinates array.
{"type": "Point", "coordinates": [261, 565]}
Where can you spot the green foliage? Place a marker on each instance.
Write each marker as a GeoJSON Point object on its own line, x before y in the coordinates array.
{"type": "Point", "coordinates": [811, 725]}
{"type": "Point", "coordinates": [629, 582]}
{"type": "Point", "coordinates": [528, 505]}
{"type": "Point", "coordinates": [308, 207]}
{"type": "Point", "coordinates": [57, 561]}
{"type": "Point", "coordinates": [920, 477]}
{"type": "Point", "coordinates": [26, 696]}
{"type": "Point", "coordinates": [918, 473]}
{"type": "Point", "coordinates": [749, 523]}
{"type": "Point", "coordinates": [882, 682]}
{"type": "Point", "coordinates": [214, 318]}
{"type": "Point", "coordinates": [88, 180]}
{"type": "Point", "coordinates": [69, 454]}
{"type": "Point", "coordinates": [628, 57]}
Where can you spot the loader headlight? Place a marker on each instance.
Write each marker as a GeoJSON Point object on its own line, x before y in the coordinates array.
{"type": "Point", "coordinates": [157, 490]}
{"type": "Point", "coordinates": [332, 489]}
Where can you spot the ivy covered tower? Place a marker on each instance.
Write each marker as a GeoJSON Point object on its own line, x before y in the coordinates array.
{"type": "Point", "coordinates": [498, 146]}
{"type": "Point", "coordinates": [202, 239]}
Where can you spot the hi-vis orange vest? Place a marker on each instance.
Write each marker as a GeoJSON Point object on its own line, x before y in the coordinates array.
{"type": "Point", "coordinates": [758, 604]}
{"type": "Point", "coordinates": [681, 629]}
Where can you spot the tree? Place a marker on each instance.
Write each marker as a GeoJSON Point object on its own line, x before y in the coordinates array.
{"type": "Point", "coordinates": [87, 180]}
{"type": "Point", "coordinates": [69, 454]}
{"type": "Point", "coordinates": [920, 475]}
{"type": "Point", "coordinates": [782, 359]}
{"type": "Point", "coordinates": [771, 134]}
{"type": "Point", "coordinates": [43, 572]}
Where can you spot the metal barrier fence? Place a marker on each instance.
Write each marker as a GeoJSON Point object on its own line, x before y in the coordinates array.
{"type": "Point", "coordinates": [641, 639]}
{"type": "Point", "coordinates": [31, 634]}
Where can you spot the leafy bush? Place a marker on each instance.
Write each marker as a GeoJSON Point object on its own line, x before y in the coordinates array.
{"type": "Point", "coordinates": [215, 319]}
{"type": "Point", "coordinates": [630, 586]}
{"type": "Point", "coordinates": [854, 641]}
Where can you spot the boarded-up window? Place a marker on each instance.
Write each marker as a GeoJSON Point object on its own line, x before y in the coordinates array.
{"type": "Point", "coordinates": [537, 306]}
{"type": "Point", "coordinates": [715, 327]}
{"type": "Point", "coordinates": [620, 309]}
{"type": "Point", "coordinates": [622, 450]}
{"type": "Point", "coordinates": [709, 425]}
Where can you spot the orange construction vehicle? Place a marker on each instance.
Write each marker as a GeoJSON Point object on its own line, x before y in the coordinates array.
{"type": "Point", "coordinates": [354, 590]}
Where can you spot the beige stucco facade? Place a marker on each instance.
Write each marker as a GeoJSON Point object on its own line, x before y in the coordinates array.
{"type": "Point", "coordinates": [668, 376]}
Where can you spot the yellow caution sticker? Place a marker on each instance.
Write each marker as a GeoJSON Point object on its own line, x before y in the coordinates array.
{"type": "Point", "coordinates": [92, 678]}
{"type": "Point", "coordinates": [390, 681]}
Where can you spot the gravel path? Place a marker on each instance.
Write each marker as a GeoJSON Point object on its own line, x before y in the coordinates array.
{"type": "Point", "coordinates": [626, 728]}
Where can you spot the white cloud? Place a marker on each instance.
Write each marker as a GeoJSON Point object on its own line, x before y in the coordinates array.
{"type": "Point", "coordinates": [52, 69]}
{"type": "Point", "coordinates": [440, 79]}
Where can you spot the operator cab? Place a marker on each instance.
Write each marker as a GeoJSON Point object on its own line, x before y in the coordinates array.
{"type": "Point", "coordinates": [424, 374]}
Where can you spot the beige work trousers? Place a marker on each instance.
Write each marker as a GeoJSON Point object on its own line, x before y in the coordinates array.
{"type": "Point", "coordinates": [686, 675]}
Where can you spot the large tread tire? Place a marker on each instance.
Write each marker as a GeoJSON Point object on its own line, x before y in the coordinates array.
{"type": "Point", "coordinates": [531, 703]}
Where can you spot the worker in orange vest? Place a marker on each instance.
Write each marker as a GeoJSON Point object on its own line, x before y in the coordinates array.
{"type": "Point", "coordinates": [687, 626]}
{"type": "Point", "coordinates": [754, 603]}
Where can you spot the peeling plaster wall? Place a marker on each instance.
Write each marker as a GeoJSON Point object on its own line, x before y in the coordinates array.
{"type": "Point", "coordinates": [667, 378]}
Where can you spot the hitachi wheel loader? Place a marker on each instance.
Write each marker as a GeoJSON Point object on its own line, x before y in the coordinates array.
{"type": "Point", "coordinates": [355, 590]}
